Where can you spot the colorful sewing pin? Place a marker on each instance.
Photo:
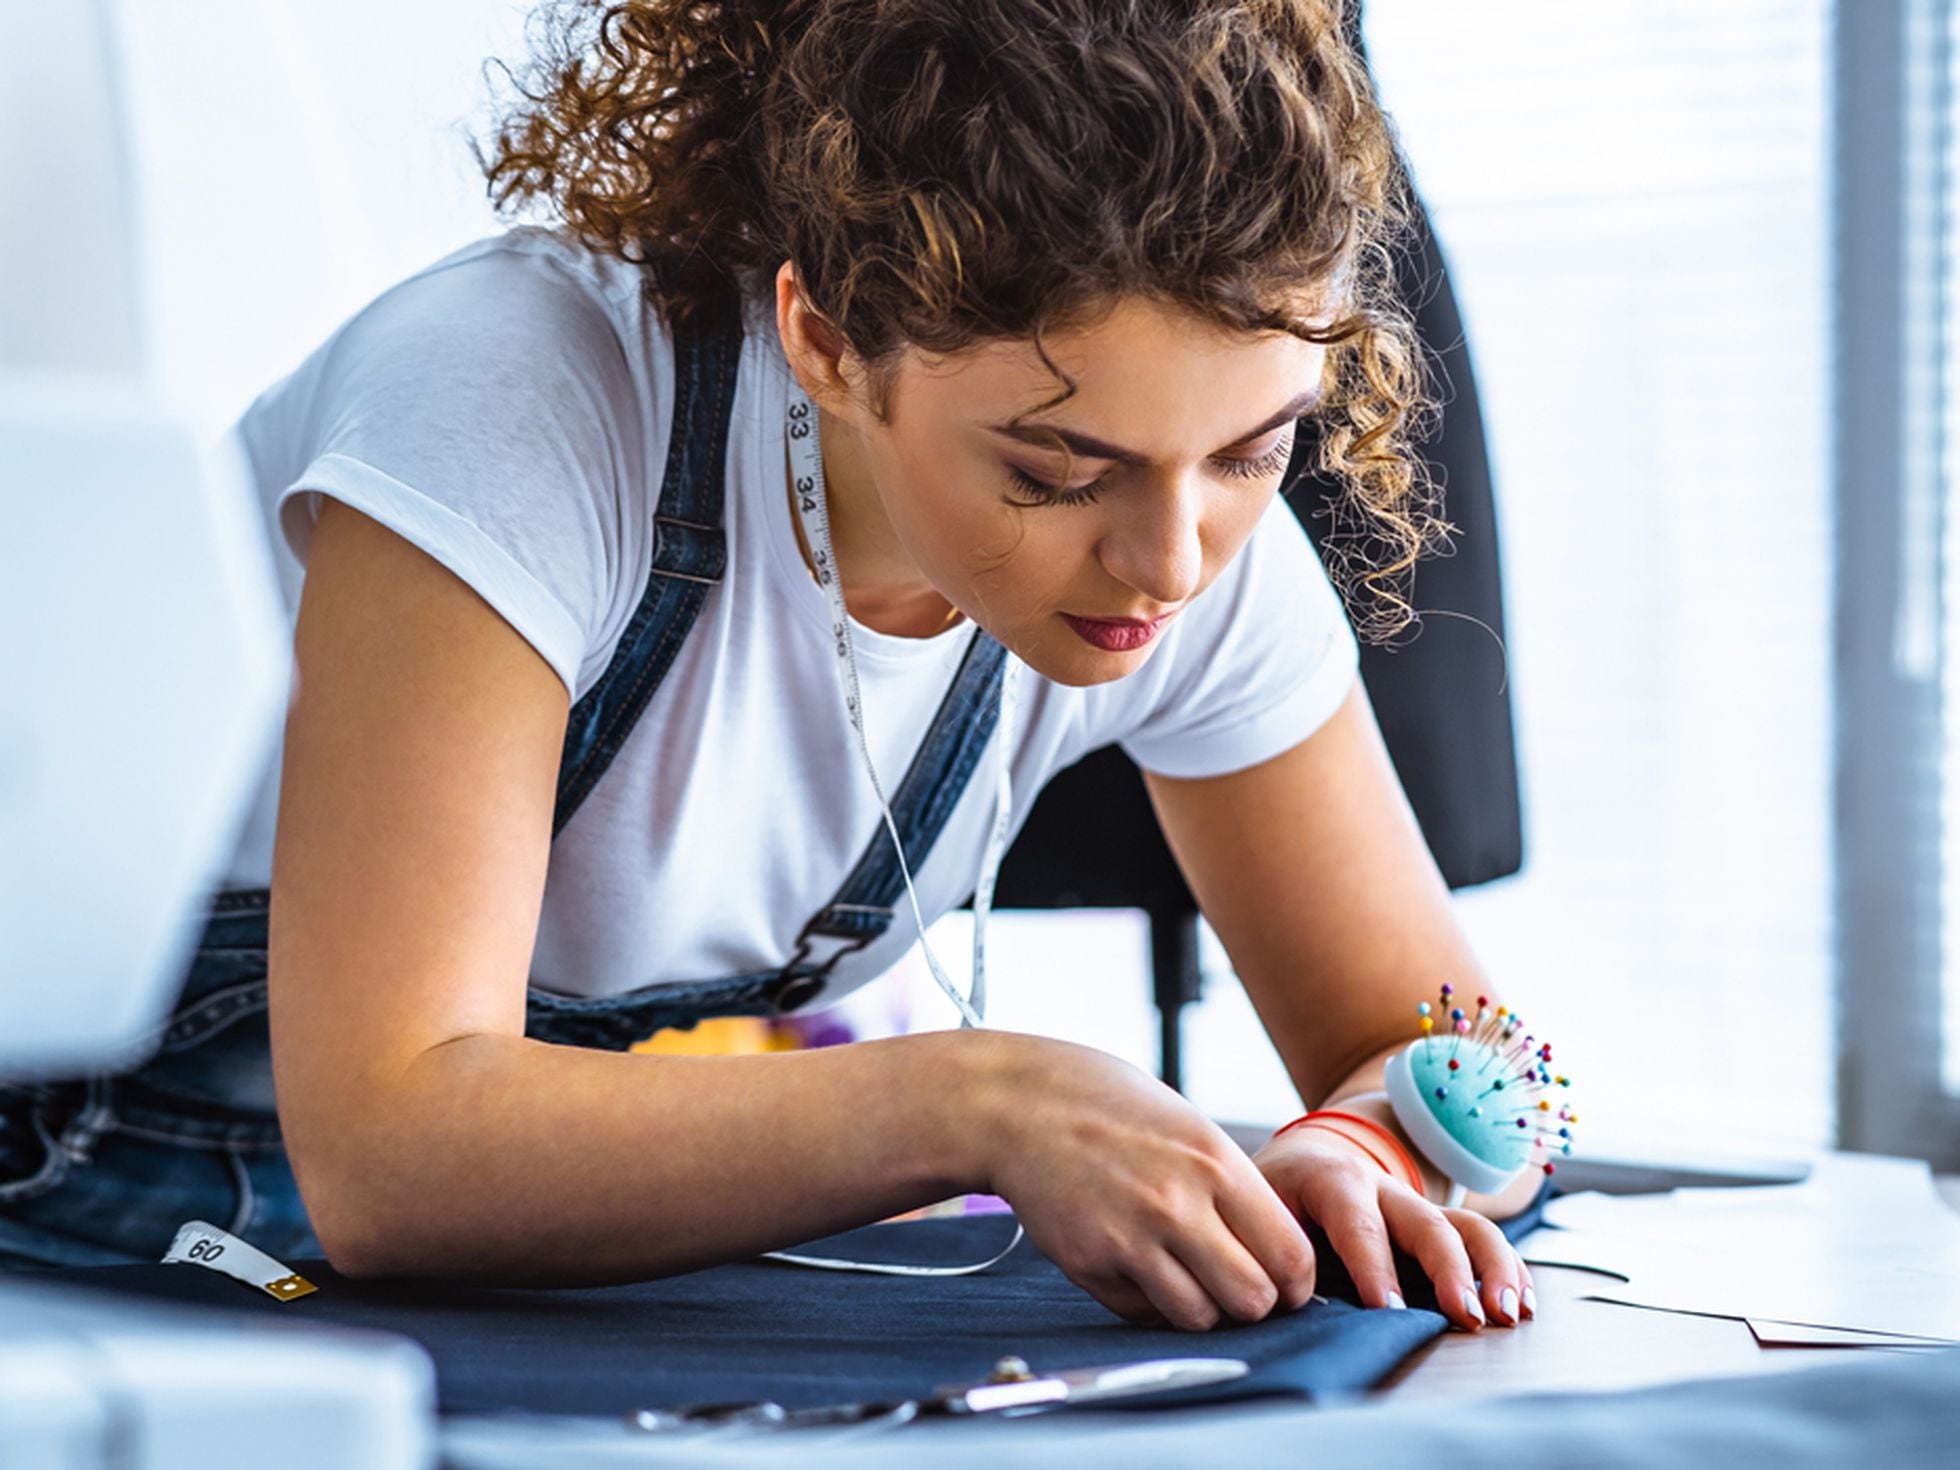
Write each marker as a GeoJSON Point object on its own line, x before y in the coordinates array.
{"type": "Point", "coordinates": [1449, 1123]}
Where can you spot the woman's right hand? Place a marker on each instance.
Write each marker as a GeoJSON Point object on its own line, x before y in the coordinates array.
{"type": "Point", "coordinates": [1133, 1193]}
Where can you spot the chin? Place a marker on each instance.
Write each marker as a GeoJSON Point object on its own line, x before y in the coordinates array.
{"type": "Point", "coordinates": [1082, 667]}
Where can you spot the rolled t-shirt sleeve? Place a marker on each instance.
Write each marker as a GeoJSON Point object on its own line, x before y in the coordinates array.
{"type": "Point", "coordinates": [1263, 658]}
{"type": "Point", "coordinates": [484, 412]}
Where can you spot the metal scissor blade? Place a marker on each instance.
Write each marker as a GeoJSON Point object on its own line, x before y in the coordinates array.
{"type": "Point", "coordinates": [1088, 1385]}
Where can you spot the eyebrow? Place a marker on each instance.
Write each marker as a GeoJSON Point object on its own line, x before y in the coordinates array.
{"type": "Point", "coordinates": [1094, 448]}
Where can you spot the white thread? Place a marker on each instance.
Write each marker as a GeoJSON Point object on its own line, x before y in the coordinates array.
{"type": "Point", "coordinates": [833, 1263]}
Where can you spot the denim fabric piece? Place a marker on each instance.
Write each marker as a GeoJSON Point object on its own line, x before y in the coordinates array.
{"type": "Point", "coordinates": [763, 1330]}
{"type": "Point", "coordinates": [1301, 1372]}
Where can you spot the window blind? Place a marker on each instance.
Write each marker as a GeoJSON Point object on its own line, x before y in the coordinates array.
{"type": "Point", "coordinates": [1945, 230]}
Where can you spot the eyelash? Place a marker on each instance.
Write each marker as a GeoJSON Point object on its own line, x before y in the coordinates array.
{"type": "Point", "coordinates": [1270, 463]}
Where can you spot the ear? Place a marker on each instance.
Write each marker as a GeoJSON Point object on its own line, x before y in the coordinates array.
{"type": "Point", "coordinates": [826, 368]}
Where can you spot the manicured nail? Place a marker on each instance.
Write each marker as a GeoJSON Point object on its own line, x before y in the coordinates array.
{"type": "Point", "coordinates": [1472, 1307]}
{"type": "Point", "coordinates": [1530, 1302]}
{"type": "Point", "coordinates": [1507, 1301]}
{"type": "Point", "coordinates": [1395, 1301]}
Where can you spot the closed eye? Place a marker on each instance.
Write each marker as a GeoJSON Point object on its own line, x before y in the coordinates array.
{"type": "Point", "coordinates": [1041, 492]}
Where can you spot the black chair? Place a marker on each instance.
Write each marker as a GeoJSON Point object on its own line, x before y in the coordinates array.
{"type": "Point", "coordinates": [1092, 839]}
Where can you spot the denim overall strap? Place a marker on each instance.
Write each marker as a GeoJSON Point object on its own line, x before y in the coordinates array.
{"type": "Point", "coordinates": [863, 908]}
{"type": "Point", "coordinates": [690, 553]}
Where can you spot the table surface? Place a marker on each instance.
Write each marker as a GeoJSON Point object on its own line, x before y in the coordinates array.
{"type": "Point", "coordinates": [1578, 1344]}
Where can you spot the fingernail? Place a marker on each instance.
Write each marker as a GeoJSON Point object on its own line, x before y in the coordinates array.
{"type": "Point", "coordinates": [1530, 1302]}
{"type": "Point", "coordinates": [1472, 1307]}
{"type": "Point", "coordinates": [1507, 1301]}
{"type": "Point", "coordinates": [1395, 1301]}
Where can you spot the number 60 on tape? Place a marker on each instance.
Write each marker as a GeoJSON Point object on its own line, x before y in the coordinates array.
{"type": "Point", "coordinates": [200, 1243]}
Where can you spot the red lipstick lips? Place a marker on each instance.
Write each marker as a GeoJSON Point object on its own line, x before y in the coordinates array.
{"type": "Point", "coordinates": [1115, 635]}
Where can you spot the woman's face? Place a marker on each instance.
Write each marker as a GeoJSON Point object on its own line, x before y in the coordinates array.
{"type": "Point", "coordinates": [1180, 432]}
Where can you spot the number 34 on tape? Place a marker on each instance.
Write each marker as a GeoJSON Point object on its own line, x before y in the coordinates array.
{"type": "Point", "coordinates": [199, 1243]}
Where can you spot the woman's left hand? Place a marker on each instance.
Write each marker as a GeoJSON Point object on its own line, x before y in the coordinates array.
{"type": "Point", "coordinates": [1328, 1179]}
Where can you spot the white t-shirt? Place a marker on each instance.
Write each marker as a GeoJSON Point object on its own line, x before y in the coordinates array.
{"type": "Point", "coordinates": [507, 411]}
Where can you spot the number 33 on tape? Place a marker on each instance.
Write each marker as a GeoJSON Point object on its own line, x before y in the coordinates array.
{"type": "Point", "coordinates": [201, 1244]}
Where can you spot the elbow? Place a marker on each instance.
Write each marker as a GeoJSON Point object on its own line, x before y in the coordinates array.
{"type": "Point", "coordinates": [356, 1238]}
{"type": "Point", "coordinates": [390, 1220]}
{"type": "Point", "coordinates": [364, 1202]}
{"type": "Point", "coordinates": [368, 1245]}
{"type": "Point", "coordinates": [363, 1172]}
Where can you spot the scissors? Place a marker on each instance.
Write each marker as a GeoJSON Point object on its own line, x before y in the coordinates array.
{"type": "Point", "coordinates": [1011, 1387]}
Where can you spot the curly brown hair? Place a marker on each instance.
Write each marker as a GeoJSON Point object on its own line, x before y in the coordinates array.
{"type": "Point", "coordinates": [943, 172]}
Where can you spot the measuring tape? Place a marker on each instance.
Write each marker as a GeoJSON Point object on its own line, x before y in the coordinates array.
{"type": "Point", "coordinates": [200, 1243]}
{"type": "Point", "coordinates": [806, 467]}
{"type": "Point", "coordinates": [806, 463]}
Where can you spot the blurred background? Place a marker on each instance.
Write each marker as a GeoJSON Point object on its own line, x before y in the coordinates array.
{"type": "Point", "coordinates": [1702, 250]}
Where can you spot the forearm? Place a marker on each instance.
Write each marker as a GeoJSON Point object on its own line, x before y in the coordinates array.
{"type": "Point", "coordinates": [1352, 1095]}
{"type": "Point", "coordinates": [496, 1158]}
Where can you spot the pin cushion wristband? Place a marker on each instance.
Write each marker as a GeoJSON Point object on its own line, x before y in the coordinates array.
{"type": "Point", "coordinates": [1479, 1109]}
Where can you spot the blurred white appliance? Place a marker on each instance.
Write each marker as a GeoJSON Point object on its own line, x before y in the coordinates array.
{"type": "Point", "coordinates": [143, 665]}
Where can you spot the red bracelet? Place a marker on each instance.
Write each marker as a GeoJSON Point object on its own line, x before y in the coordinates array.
{"type": "Point", "coordinates": [1408, 1164]}
{"type": "Point", "coordinates": [1390, 1139]}
{"type": "Point", "coordinates": [1339, 1132]}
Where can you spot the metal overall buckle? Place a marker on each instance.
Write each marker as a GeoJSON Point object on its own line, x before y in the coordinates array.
{"type": "Point", "coordinates": [800, 989]}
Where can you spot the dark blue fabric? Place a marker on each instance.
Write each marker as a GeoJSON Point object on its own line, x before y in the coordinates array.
{"type": "Point", "coordinates": [764, 1330]}
{"type": "Point", "coordinates": [1299, 1372]}
{"type": "Point", "coordinates": [1417, 1289]}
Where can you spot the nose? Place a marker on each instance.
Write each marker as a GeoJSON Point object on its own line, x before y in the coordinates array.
{"type": "Point", "coordinates": [1153, 542]}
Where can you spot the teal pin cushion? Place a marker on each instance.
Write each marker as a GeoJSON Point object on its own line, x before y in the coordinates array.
{"type": "Point", "coordinates": [1479, 1100]}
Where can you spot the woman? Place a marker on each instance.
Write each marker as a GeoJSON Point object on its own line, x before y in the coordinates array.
{"type": "Point", "coordinates": [957, 342]}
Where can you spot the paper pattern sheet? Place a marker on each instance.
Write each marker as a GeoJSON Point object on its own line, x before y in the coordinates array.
{"type": "Point", "coordinates": [1865, 1248]}
{"type": "Point", "coordinates": [1798, 1334]}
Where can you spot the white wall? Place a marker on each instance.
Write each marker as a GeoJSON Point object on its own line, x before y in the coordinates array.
{"type": "Point", "coordinates": [296, 160]}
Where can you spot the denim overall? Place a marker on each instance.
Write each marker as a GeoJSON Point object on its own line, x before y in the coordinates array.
{"type": "Point", "coordinates": [102, 1169]}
